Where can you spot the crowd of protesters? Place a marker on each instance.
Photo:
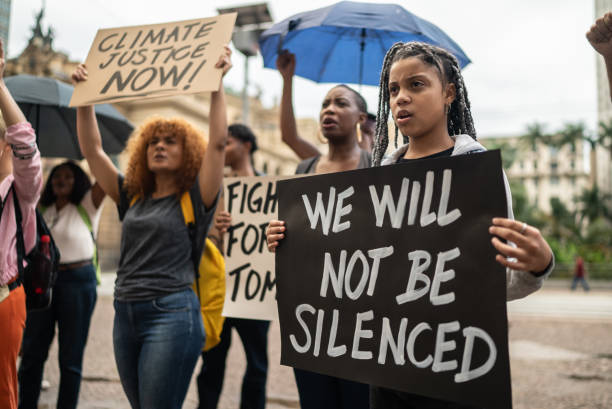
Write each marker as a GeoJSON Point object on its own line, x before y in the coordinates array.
{"type": "Point", "coordinates": [158, 333]}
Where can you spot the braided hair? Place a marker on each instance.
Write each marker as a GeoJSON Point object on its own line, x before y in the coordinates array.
{"type": "Point", "coordinates": [459, 116]}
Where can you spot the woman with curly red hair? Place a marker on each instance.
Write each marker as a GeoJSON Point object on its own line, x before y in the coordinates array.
{"type": "Point", "coordinates": [158, 332]}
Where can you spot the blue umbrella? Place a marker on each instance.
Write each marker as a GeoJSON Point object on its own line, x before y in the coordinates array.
{"type": "Point", "coordinates": [346, 42]}
{"type": "Point", "coordinates": [44, 102]}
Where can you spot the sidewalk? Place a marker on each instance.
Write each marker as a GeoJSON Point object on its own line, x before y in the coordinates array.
{"type": "Point", "coordinates": [101, 388]}
{"type": "Point", "coordinates": [572, 364]}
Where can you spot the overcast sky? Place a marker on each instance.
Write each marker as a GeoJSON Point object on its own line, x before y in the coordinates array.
{"type": "Point", "coordinates": [530, 59]}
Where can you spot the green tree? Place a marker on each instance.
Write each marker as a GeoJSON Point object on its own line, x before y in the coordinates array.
{"type": "Point", "coordinates": [562, 222]}
{"type": "Point", "coordinates": [605, 135]}
{"type": "Point", "coordinates": [535, 134]}
{"type": "Point", "coordinates": [524, 209]}
{"type": "Point", "coordinates": [574, 133]}
{"type": "Point", "coordinates": [594, 204]}
{"type": "Point", "coordinates": [509, 152]}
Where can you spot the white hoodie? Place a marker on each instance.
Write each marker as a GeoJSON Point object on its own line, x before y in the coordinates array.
{"type": "Point", "coordinates": [519, 284]}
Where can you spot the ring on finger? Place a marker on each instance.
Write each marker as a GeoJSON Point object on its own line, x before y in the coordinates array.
{"type": "Point", "coordinates": [523, 228]}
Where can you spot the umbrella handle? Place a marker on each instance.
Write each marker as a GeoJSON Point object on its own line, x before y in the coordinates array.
{"type": "Point", "coordinates": [362, 45]}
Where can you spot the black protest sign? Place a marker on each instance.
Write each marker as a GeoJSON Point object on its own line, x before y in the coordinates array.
{"type": "Point", "coordinates": [249, 266]}
{"type": "Point", "coordinates": [154, 60]}
{"type": "Point", "coordinates": [387, 276]}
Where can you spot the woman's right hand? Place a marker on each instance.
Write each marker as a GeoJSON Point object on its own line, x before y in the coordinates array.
{"type": "Point", "coordinates": [80, 74]}
{"type": "Point", "coordinates": [223, 221]}
{"type": "Point", "coordinates": [285, 63]}
{"type": "Point", "coordinates": [274, 234]}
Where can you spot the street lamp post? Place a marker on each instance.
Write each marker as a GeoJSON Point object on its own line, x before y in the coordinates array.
{"type": "Point", "coordinates": [251, 21]}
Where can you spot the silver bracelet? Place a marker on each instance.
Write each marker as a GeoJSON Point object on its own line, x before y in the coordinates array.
{"type": "Point", "coordinates": [18, 150]}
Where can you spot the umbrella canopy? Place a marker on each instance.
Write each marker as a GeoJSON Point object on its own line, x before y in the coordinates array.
{"type": "Point", "coordinates": [346, 42]}
{"type": "Point", "coordinates": [44, 102]}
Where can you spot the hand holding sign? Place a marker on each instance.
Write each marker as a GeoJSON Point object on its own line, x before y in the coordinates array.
{"type": "Point", "coordinates": [80, 74]}
{"type": "Point", "coordinates": [223, 221]}
{"type": "Point", "coordinates": [532, 252]}
{"type": "Point", "coordinates": [274, 234]}
{"type": "Point", "coordinates": [225, 62]}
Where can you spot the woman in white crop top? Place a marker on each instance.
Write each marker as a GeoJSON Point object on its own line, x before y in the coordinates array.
{"type": "Point", "coordinates": [71, 208]}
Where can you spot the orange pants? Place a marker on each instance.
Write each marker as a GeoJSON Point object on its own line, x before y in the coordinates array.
{"type": "Point", "coordinates": [12, 323]}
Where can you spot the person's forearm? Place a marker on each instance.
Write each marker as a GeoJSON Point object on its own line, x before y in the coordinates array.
{"type": "Point", "coordinates": [211, 172]}
{"type": "Point", "coordinates": [287, 117]}
{"type": "Point", "coordinates": [289, 134]}
{"type": "Point", "coordinates": [217, 120]}
{"type": "Point", "coordinates": [27, 168]}
{"type": "Point", "coordinates": [88, 134]}
{"type": "Point", "coordinates": [10, 110]}
{"type": "Point", "coordinates": [90, 142]}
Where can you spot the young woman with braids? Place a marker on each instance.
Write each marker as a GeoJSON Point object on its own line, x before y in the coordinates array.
{"type": "Point", "coordinates": [423, 89]}
{"type": "Point", "coordinates": [342, 112]}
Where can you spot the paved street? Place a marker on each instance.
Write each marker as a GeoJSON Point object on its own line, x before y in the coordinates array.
{"type": "Point", "coordinates": [560, 348]}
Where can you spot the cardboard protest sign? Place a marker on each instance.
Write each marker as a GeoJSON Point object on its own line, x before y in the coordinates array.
{"type": "Point", "coordinates": [154, 60]}
{"type": "Point", "coordinates": [387, 276]}
{"type": "Point", "coordinates": [249, 266]}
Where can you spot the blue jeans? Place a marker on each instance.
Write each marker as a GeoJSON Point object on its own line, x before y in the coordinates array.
{"type": "Point", "coordinates": [72, 304]}
{"type": "Point", "coordinates": [254, 336]}
{"type": "Point", "coordinates": [157, 344]}
{"type": "Point", "coordinates": [582, 282]}
{"type": "Point", "coordinates": [318, 391]}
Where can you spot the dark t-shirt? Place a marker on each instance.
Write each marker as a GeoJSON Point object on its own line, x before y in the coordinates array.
{"type": "Point", "coordinates": [155, 252]}
{"type": "Point", "coordinates": [309, 165]}
{"type": "Point", "coordinates": [442, 154]}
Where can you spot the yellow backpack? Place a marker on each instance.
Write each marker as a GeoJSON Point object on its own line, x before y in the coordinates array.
{"type": "Point", "coordinates": [209, 283]}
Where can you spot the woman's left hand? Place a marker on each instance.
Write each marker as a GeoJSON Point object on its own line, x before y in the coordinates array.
{"type": "Point", "coordinates": [225, 60]}
{"type": "Point", "coordinates": [532, 252]}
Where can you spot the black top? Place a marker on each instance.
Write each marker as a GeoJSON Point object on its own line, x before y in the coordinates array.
{"type": "Point", "coordinates": [156, 249]}
{"type": "Point", "coordinates": [442, 154]}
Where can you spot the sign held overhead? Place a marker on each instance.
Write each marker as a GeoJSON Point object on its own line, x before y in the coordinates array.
{"type": "Point", "coordinates": [155, 60]}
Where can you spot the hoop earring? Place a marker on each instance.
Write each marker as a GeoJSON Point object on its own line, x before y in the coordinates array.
{"type": "Point", "coordinates": [446, 108]}
{"type": "Point", "coordinates": [358, 132]}
{"type": "Point", "coordinates": [320, 137]}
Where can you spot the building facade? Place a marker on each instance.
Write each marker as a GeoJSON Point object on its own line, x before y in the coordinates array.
{"type": "Point", "coordinates": [5, 19]}
{"type": "Point", "coordinates": [546, 171]}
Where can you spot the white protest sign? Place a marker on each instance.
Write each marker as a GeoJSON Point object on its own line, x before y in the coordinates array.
{"type": "Point", "coordinates": [249, 266]}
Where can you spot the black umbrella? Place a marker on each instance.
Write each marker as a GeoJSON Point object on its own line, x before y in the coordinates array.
{"type": "Point", "coordinates": [44, 102]}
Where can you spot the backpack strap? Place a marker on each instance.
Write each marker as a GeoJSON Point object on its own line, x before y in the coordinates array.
{"type": "Point", "coordinates": [85, 216]}
{"type": "Point", "coordinates": [19, 235]}
{"type": "Point", "coordinates": [189, 217]}
{"type": "Point", "coordinates": [187, 208]}
{"type": "Point", "coordinates": [3, 203]}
